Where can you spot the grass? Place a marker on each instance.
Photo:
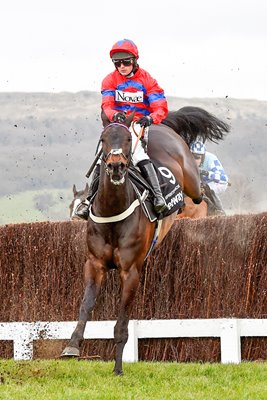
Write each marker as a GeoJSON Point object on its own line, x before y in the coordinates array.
{"type": "Point", "coordinates": [79, 380]}
{"type": "Point", "coordinates": [22, 207]}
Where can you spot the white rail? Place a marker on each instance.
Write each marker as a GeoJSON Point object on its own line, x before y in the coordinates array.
{"type": "Point", "coordinates": [229, 331]}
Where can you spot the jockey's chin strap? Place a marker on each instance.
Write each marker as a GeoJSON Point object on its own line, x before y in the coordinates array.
{"type": "Point", "coordinates": [118, 217]}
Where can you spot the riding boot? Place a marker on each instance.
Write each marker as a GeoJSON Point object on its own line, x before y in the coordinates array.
{"type": "Point", "coordinates": [82, 210]}
{"type": "Point", "coordinates": [149, 173]}
{"type": "Point", "coordinates": [94, 183]}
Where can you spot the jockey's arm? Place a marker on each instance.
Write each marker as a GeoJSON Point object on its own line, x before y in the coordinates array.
{"type": "Point", "coordinates": [108, 105]}
{"type": "Point", "coordinates": [157, 102]}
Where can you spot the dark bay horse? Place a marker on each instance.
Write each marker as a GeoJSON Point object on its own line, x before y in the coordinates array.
{"type": "Point", "coordinates": [123, 242]}
{"type": "Point", "coordinates": [189, 210]}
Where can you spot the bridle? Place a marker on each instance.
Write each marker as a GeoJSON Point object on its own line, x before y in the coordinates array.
{"type": "Point", "coordinates": [116, 155]}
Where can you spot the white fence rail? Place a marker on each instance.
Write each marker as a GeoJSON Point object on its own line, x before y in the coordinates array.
{"type": "Point", "coordinates": [229, 331]}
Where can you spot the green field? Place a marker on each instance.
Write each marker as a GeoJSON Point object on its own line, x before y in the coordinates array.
{"type": "Point", "coordinates": [35, 206]}
{"type": "Point", "coordinates": [78, 380]}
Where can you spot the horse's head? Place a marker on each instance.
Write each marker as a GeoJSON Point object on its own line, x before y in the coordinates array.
{"type": "Point", "coordinates": [117, 144]}
{"type": "Point", "coordinates": [79, 196]}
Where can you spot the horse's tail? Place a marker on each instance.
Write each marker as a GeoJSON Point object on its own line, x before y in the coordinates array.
{"type": "Point", "coordinates": [194, 123]}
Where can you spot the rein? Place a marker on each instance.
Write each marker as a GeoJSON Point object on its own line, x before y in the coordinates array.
{"type": "Point", "coordinates": [139, 136]}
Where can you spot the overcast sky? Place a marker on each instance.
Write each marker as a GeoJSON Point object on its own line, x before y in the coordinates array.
{"type": "Point", "coordinates": [194, 48]}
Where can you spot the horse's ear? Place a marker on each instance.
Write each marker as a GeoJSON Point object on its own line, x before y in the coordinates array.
{"type": "Point", "coordinates": [129, 119]}
{"type": "Point", "coordinates": [86, 188]}
{"type": "Point", "coordinates": [74, 190]}
{"type": "Point", "coordinates": [104, 118]}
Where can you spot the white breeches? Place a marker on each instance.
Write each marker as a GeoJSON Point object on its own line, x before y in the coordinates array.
{"type": "Point", "coordinates": [139, 153]}
{"type": "Point", "coordinates": [218, 187]}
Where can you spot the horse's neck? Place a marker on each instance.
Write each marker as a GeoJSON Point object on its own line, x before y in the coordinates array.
{"type": "Point", "coordinates": [113, 199]}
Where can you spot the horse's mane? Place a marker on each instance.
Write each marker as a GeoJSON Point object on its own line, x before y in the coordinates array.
{"type": "Point", "coordinates": [193, 123]}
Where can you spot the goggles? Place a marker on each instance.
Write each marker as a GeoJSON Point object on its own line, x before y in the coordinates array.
{"type": "Point", "coordinates": [126, 63]}
{"type": "Point", "coordinates": [197, 156]}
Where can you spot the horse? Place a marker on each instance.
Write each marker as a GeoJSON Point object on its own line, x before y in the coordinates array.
{"type": "Point", "coordinates": [207, 208]}
{"type": "Point", "coordinates": [119, 235]}
{"type": "Point", "coordinates": [192, 210]}
{"type": "Point", "coordinates": [188, 210]}
{"type": "Point", "coordinates": [78, 197]}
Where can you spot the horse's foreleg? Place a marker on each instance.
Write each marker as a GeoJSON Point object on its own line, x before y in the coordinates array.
{"type": "Point", "coordinates": [93, 275]}
{"type": "Point", "coordinates": [130, 281]}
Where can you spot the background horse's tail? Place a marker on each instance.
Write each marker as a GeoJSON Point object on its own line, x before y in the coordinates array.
{"type": "Point", "coordinates": [194, 123]}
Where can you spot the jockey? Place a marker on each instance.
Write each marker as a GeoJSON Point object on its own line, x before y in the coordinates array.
{"type": "Point", "coordinates": [129, 89]}
{"type": "Point", "coordinates": [211, 172]}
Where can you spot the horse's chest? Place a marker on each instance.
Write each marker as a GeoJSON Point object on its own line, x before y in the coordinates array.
{"type": "Point", "coordinates": [114, 251]}
{"type": "Point", "coordinates": [108, 245]}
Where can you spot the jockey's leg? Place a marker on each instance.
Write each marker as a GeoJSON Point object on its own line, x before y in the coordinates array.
{"type": "Point", "coordinates": [142, 160]}
{"type": "Point", "coordinates": [217, 204]}
{"type": "Point", "coordinates": [149, 173]}
{"type": "Point", "coordinates": [95, 181]}
{"type": "Point", "coordinates": [82, 210]}
{"type": "Point", "coordinates": [215, 189]}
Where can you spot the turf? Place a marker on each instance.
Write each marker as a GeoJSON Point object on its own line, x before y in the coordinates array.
{"type": "Point", "coordinates": [78, 380]}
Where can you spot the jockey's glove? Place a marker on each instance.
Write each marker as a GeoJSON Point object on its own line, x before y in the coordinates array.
{"type": "Point", "coordinates": [119, 117]}
{"type": "Point", "coordinates": [145, 121]}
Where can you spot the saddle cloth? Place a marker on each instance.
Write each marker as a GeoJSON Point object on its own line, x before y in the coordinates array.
{"type": "Point", "coordinates": [170, 187]}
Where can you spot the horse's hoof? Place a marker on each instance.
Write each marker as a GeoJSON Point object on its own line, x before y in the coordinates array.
{"type": "Point", "coordinates": [70, 351]}
{"type": "Point", "coordinates": [118, 373]}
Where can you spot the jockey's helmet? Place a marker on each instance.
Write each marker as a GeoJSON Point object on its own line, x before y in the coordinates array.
{"type": "Point", "coordinates": [198, 148]}
{"type": "Point", "coordinates": [122, 49]}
